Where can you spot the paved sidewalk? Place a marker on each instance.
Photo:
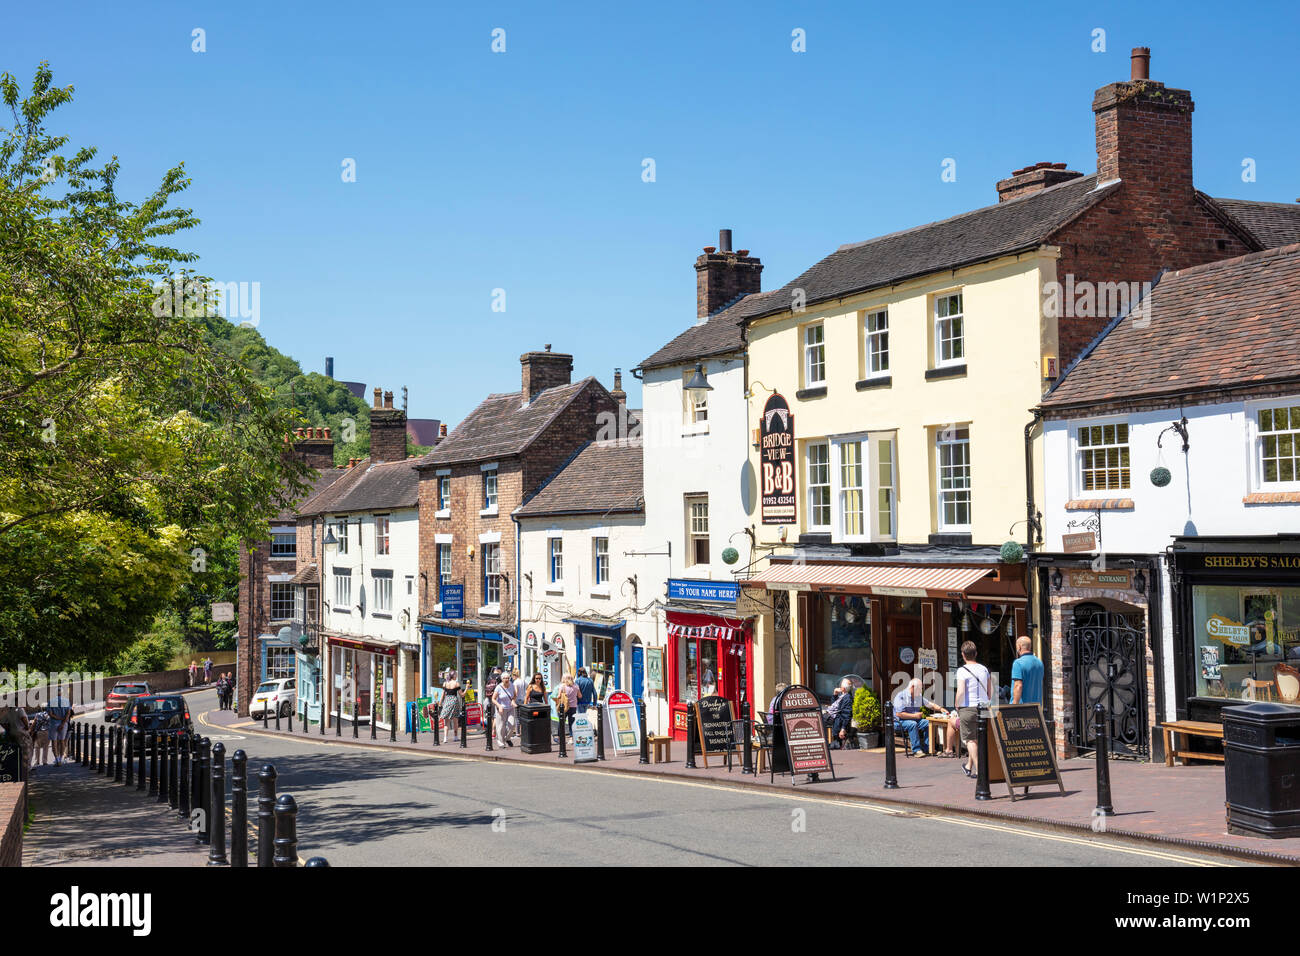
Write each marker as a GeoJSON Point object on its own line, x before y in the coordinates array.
{"type": "Point", "coordinates": [1182, 805]}
{"type": "Point", "coordinates": [85, 819]}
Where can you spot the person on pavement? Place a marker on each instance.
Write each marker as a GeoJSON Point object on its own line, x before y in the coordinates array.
{"type": "Point", "coordinates": [1026, 675]}
{"type": "Point", "coordinates": [60, 726]}
{"type": "Point", "coordinates": [907, 714]}
{"type": "Point", "coordinates": [570, 691]}
{"type": "Point", "coordinates": [503, 697]}
{"type": "Point", "coordinates": [451, 696]}
{"type": "Point", "coordinates": [586, 690]}
{"type": "Point", "coordinates": [536, 690]}
{"type": "Point", "coordinates": [841, 714]}
{"type": "Point", "coordinates": [973, 692]}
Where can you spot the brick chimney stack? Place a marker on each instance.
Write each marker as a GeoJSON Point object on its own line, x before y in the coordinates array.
{"type": "Point", "coordinates": [543, 370]}
{"type": "Point", "coordinates": [617, 392]}
{"type": "Point", "coordinates": [1032, 179]}
{"type": "Point", "coordinates": [314, 446]}
{"type": "Point", "coordinates": [387, 429]}
{"type": "Point", "coordinates": [722, 276]}
{"type": "Point", "coordinates": [1144, 136]}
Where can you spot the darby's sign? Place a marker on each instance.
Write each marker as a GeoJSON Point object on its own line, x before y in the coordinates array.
{"type": "Point", "coordinates": [776, 462]}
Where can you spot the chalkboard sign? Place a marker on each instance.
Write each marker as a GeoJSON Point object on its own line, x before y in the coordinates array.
{"type": "Point", "coordinates": [713, 718]}
{"type": "Point", "coordinates": [10, 761]}
{"type": "Point", "coordinates": [802, 733]}
{"type": "Point", "coordinates": [1024, 749]}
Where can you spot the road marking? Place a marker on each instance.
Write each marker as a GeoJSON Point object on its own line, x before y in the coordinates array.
{"type": "Point", "coordinates": [917, 810]}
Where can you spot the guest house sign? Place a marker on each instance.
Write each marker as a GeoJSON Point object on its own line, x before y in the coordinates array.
{"type": "Point", "coordinates": [776, 458]}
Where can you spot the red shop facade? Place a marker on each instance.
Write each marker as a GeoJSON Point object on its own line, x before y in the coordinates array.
{"type": "Point", "coordinates": [709, 652]}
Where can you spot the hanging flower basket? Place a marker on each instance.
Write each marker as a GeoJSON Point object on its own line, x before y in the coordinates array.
{"type": "Point", "coordinates": [1160, 477]}
{"type": "Point", "coordinates": [1012, 553]}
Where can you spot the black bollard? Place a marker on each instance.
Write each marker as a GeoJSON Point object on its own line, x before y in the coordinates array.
{"type": "Point", "coordinates": [488, 718]}
{"type": "Point", "coordinates": [239, 809]}
{"type": "Point", "coordinates": [645, 741]}
{"type": "Point", "coordinates": [290, 716]}
{"type": "Point", "coordinates": [187, 777]}
{"type": "Point", "coordinates": [141, 782]}
{"type": "Point", "coordinates": [217, 800]}
{"type": "Point", "coordinates": [356, 720]}
{"type": "Point", "coordinates": [434, 721]}
{"type": "Point", "coordinates": [563, 753]}
{"type": "Point", "coordinates": [891, 757]}
{"type": "Point", "coordinates": [278, 708]}
{"type": "Point", "coordinates": [392, 720]}
{"type": "Point", "coordinates": [747, 764]}
{"type": "Point", "coordinates": [1104, 808]}
{"type": "Point", "coordinates": [317, 861]}
{"type": "Point", "coordinates": [374, 720]}
{"type": "Point", "coordinates": [415, 723]}
{"type": "Point", "coordinates": [338, 724]}
{"type": "Point", "coordinates": [151, 741]}
{"type": "Point", "coordinates": [464, 727]}
{"type": "Point", "coordinates": [117, 754]}
{"type": "Point", "coordinates": [99, 751]}
{"type": "Point", "coordinates": [286, 831]}
{"type": "Point", "coordinates": [323, 712]}
{"type": "Point", "coordinates": [173, 771]}
{"type": "Point", "coordinates": [204, 836]}
{"type": "Point", "coordinates": [130, 758]}
{"type": "Point", "coordinates": [690, 737]}
{"type": "Point", "coordinates": [982, 791]}
{"type": "Point", "coordinates": [164, 772]}
{"type": "Point", "coordinates": [600, 733]}
{"type": "Point", "coordinates": [265, 815]}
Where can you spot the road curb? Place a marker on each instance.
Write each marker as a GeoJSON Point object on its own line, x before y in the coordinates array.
{"type": "Point", "coordinates": [1043, 823]}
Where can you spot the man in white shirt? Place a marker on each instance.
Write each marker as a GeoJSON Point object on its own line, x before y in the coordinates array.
{"type": "Point", "coordinates": [521, 688]}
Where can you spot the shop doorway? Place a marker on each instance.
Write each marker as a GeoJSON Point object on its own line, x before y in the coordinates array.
{"type": "Point", "coordinates": [902, 648]}
{"type": "Point", "coordinates": [1109, 648]}
{"type": "Point", "coordinates": [638, 668]}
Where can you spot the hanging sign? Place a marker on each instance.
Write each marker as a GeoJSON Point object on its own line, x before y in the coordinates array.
{"type": "Point", "coordinates": [1079, 543]}
{"type": "Point", "coordinates": [929, 658]}
{"type": "Point", "coordinates": [776, 462]}
{"type": "Point", "coordinates": [509, 645]}
{"type": "Point", "coordinates": [654, 669]}
{"type": "Point", "coordinates": [1024, 756]}
{"type": "Point", "coordinates": [800, 729]}
{"type": "Point", "coordinates": [686, 589]}
{"type": "Point", "coordinates": [584, 740]}
{"type": "Point", "coordinates": [713, 718]}
{"type": "Point", "coordinates": [453, 601]}
{"type": "Point", "coordinates": [223, 611]}
{"type": "Point", "coordinates": [530, 640]}
{"type": "Point", "coordinates": [623, 722]}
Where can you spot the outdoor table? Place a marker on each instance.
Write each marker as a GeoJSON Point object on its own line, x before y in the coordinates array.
{"type": "Point", "coordinates": [938, 725]}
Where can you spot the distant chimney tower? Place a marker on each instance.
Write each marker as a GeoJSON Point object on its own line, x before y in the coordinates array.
{"type": "Point", "coordinates": [721, 276]}
{"type": "Point", "coordinates": [329, 366]}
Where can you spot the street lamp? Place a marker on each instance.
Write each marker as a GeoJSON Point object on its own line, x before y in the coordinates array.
{"type": "Point", "coordinates": [698, 382]}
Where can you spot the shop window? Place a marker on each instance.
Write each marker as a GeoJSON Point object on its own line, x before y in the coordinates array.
{"type": "Point", "coordinates": [697, 529]}
{"type": "Point", "coordinates": [279, 662]}
{"type": "Point", "coordinates": [281, 601]}
{"type": "Point", "coordinates": [1244, 636]}
{"type": "Point", "coordinates": [1103, 457]}
{"type": "Point", "coordinates": [697, 668]}
{"type": "Point", "coordinates": [845, 647]}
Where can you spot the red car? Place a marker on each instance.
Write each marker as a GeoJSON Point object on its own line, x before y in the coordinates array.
{"type": "Point", "coordinates": [120, 695]}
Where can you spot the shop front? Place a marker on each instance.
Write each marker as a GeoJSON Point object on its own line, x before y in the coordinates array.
{"type": "Point", "coordinates": [710, 648]}
{"type": "Point", "coordinates": [362, 684]}
{"type": "Point", "coordinates": [1236, 622]}
{"type": "Point", "coordinates": [470, 654]}
{"type": "Point", "coordinates": [598, 646]}
{"type": "Point", "coordinates": [885, 624]}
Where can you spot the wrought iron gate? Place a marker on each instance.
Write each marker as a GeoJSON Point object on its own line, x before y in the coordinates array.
{"type": "Point", "coordinates": [1110, 669]}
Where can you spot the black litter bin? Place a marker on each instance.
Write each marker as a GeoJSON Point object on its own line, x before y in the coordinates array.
{"type": "Point", "coordinates": [535, 728]}
{"type": "Point", "coordinates": [1261, 751]}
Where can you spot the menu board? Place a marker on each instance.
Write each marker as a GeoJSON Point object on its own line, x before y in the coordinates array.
{"type": "Point", "coordinates": [1024, 748]}
{"type": "Point", "coordinates": [624, 723]}
{"type": "Point", "coordinates": [10, 761]}
{"type": "Point", "coordinates": [584, 739]}
{"type": "Point", "coordinates": [713, 718]}
{"type": "Point", "coordinates": [799, 713]}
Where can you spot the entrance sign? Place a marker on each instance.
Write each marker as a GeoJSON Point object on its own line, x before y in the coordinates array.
{"type": "Point", "coordinates": [624, 723]}
{"type": "Point", "coordinates": [1023, 756]}
{"type": "Point", "coordinates": [800, 734]}
{"type": "Point", "coordinates": [584, 740]}
{"type": "Point", "coordinates": [1121, 580]}
{"type": "Point", "coordinates": [776, 462]}
{"type": "Point", "coordinates": [713, 717]}
{"type": "Point", "coordinates": [453, 601]}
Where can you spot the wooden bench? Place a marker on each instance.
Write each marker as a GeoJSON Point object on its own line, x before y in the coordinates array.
{"type": "Point", "coordinates": [1190, 728]}
{"type": "Point", "coordinates": [661, 749]}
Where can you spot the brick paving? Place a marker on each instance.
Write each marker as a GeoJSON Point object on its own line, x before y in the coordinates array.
{"type": "Point", "coordinates": [1182, 805]}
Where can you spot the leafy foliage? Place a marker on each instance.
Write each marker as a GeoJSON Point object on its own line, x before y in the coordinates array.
{"type": "Point", "coordinates": [866, 708]}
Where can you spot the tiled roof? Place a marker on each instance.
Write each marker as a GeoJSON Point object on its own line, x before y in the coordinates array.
{"type": "Point", "coordinates": [717, 336]}
{"type": "Point", "coordinates": [1226, 324]}
{"type": "Point", "coordinates": [368, 487]}
{"type": "Point", "coordinates": [319, 482]}
{"type": "Point", "coordinates": [308, 575]}
{"type": "Point", "coordinates": [603, 478]}
{"type": "Point", "coordinates": [499, 426]}
{"type": "Point", "coordinates": [977, 236]}
{"type": "Point", "coordinates": [1272, 223]}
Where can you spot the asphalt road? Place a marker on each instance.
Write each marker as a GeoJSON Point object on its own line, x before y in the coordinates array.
{"type": "Point", "coordinates": [368, 807]}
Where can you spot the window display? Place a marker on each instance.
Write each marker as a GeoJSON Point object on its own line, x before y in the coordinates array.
{"type": "Point", "coordinates": [1243, 636]}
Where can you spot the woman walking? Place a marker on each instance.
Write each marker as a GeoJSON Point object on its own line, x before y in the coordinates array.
{"type": "Point", "coordinates": [973, 692]}
{"type": "Point", "coordinates": [451, 702]}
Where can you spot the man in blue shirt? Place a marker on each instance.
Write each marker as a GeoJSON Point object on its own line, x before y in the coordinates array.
{"type": "Point", "coordinates": [1026, 675]}
{"type": "Point", "coordinates": [907, 714]}
{"type": "Point", "coordinates": [586, 690]}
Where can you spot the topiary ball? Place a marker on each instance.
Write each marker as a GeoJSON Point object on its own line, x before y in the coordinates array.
{"type": "Point", "coordinates": [1012, 553]}
{"type": "Point", "coordinates": [1160, 477]}
{"type": "Point", "coordinates": [730, 555]}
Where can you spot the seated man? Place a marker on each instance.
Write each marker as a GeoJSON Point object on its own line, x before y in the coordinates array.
{"type": "Point", "coordinates": [907, 714]}
{"type": "Point", "coordinates": [840, 714]}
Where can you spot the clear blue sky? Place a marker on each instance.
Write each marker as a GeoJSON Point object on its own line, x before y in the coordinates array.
{"type": "Point", "coordinates": [522, 170]}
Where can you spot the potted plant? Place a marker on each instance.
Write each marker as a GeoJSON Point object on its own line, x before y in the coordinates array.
{"type": "Point", "coordinates": [866, 717]}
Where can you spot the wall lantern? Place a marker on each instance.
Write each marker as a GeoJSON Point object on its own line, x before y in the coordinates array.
{"type": "Point", "coordinates": [1057, 579]}
{"type": "Point", "coordinates": [1140, 582]}
{"type": "Point", "coordinates": [698, 382]}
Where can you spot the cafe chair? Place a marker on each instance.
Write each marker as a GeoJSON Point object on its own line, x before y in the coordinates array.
{"type": "Point", "coordinates": [1288, 683]}
{"type": "Point", "coordinates": [901, 739]}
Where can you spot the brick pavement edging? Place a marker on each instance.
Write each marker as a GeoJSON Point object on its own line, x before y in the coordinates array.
{"type": "Point", "coordinates": [13, 817]}
{"type": "Point", "coordinates": [825, 790]}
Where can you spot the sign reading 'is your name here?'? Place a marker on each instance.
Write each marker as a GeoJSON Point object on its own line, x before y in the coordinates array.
{"type": "Point", "coordinates": [776, 462]}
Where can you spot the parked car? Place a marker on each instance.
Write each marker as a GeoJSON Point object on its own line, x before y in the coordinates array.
{"type": "Point", "coordinates": [274, 696]}
{"type": "Point", "coordinates": [122, 694]}
{"type": "Point", "coordinates": [164, 714]}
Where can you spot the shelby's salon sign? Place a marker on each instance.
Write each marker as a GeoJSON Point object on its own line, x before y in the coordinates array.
{"type": "Point", "coordinates": [1240, 563]}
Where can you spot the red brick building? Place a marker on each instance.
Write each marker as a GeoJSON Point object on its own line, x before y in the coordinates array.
{"type": "Point", "coordinates": [493, 462]}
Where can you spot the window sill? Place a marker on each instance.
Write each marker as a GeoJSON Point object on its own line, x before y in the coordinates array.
{"type": "Point", "coordinates": [946, 371]}
{"type": "Point", "coordinates": [488, 513]}
{"type": "Point", "coordinates": [818, 391]}
{"type": "Point", "coordinates": [600, 592]}
{"type": "Point", "coordinates": [555, 590]}
{"type": "Point", "coordinates": [1099, 504]}
{"type": "Point", "coordinates": [951, 537]}
{"type": "Point", "coordinates": [444, 515]}
{"type": "Point", "coordinates": [1271, 498]}
{"type": "Point", "coordinates": [341, 610]}
{"type": "Point", "coordinates": [879, 381]}
{"type": "Point", "coordinates": [490, 610]}
{"type": "Point", "coordinates": [695, 430]}
{"type": "Point", "coordinates": [382, 615]}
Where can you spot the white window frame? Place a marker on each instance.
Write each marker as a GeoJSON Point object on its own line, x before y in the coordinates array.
{"type": "Point", "coordinates": [444, 501]}
{"type": "Point", "coordinates": [342, 590]}
{"type": "Point", "coordinates": [383, 587]}
{"type": "Point", "coordinates": [1077, 449]}
{"type": "Point", "coordinates": [878, 532]}
{"type": "Point", "coordinates": [939, 445]}
{"type": "Point", "coordinates": [692, 534]}
{"type": "Point", "coordinates": [281, 554]}
{"type": "Point", "coordinates": [491, 474]}
{"type": "Point", "coordinates": [277, 587]}
{"type": "Point", "coordinates": [811, 349]}
{"type": "Point", "coordinates": [341, 533]}
{"type": "Point", "coordinates": [1256, 438]}
{"type": "Point", "coordinates": [812, 487]}
{"type": "Point", "coordinates": [485, 567]}
{"type": "Point", "coordinates": [599, 571]}
{"type": "Point", "coordinates": [870, 487]}
{"type": "Point", "coordinates": [840, 490]}
{"type": "Point", "coordinates": [875, 343]}
{"type": "Point", "coordinates": [554, 560]}
{"type": "Point", "coordinates": [383, 534]}
{"type": "Point", "coordinates": [939, 322]}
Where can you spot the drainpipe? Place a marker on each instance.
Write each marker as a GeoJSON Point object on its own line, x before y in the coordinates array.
{"type": "Point", "coordinates": [519, 589]}
{"type": "Point", "coordinates": [1032, 524]}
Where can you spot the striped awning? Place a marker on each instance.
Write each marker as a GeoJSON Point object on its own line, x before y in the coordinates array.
{"type": "Point", "coordinates": [910, 581]}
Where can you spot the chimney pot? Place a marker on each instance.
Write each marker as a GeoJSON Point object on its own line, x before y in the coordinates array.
{"type": "Point", "coordinates": [724, 240]}
{"type": "Point", "coordinates": [721, 280]}
{"type": "Point", "coordinates": [710, 250]}
{"type": "Point", "coordinates": [388, 399]}
{"type": "Point", "coordinates": [1141, 63]}
{"type": "Point", "coordinates": [327, 432]}
{"type": "Point", "coordinates": [379, 397]}
{"type": "Point", "coordinates": [442, 431]}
